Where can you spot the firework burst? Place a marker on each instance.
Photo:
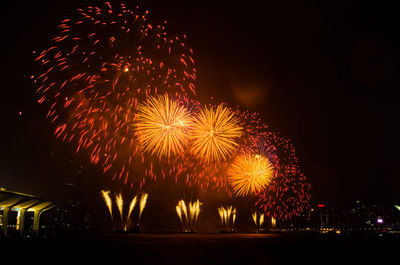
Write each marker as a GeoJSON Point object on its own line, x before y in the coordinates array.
{"type": "Point", "coordinates": [97, 70]}
{"type": "Point", "coordinates": [162, 126]}
{"type": "Point", "coordinates": [249, 173]}
{"type": "Point", "coordinates": [214, 133]}
{"type": "Point", "coordinates": [288, 192]}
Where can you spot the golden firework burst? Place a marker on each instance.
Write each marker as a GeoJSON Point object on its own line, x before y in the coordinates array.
{"type": "Point", "coordinates": [214, 133]}
{"type": "Point", "coordinates": [250, 173]}
{"type": "Point", "coordinates": [162, 126]}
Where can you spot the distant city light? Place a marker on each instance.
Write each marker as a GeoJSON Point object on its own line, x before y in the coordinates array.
{"type": "Point", "coordinates": [380, 220]}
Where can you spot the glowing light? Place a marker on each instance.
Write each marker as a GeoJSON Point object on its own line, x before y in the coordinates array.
{"type": "Point", "coordinates": [250, 173]}
{"type": "Point", "coordinates": [103, 62]}
{"type": "Point", "coordinates": [214, 133]}
{"type": "Point", "coordinates": [107, 199]}
{"type": "Point", "coordinates": [254, 216]}
{"type": "Point", "coordinates": [120, 204]}
{"type": "Point", "coordinates": [261, 220]}
{"type": "Point", "coordinates": [225, 215]}
{"type": "Point", "coordinates": [143, 201]}
{"type": "Point", "coordinates": [273, 222]}
{"type": "Point", "coordinates": [194, 210]}
{"type": "Point", "coordinates": [162, 126]}
{"type": "Point", "coordinates": [131, 206]}
{"type": "Point", "coordinates": [179, 212]}
{"type": "Point", "coordinates": [258, 220]}
{"type": "Point", "coordinates": [191, 219]}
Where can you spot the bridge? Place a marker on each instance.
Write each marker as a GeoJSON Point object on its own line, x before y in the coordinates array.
{"type": "Point", "coordinates": [21, 203]}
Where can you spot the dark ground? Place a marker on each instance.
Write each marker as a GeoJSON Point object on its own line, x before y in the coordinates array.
{"type": "Point", "coordinates": [203, 249]}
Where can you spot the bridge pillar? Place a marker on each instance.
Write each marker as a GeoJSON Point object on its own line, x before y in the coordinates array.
{"type": "Point", "coordinates": [6, 209]}
{"type": "Point", "coordinates": [21, 220]}
{"type": "Point", "coordinates": [36, 218]}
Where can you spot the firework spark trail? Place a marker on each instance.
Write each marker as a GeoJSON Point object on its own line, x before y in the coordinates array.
{"type": "Point", "coordinates": [254, 216]}
{"type": "Point", "coordinates": [120, 205]}
{"type": "Point", "coordinates": [98, 69]}
{"type": "Point", "coordinates": [192, 212]}
{"type": "Point", "coordinates": [179, 212]}
{"type": "Point", "coordinates": [183, 207]}
{"type": "Point", "coordinates": [107, 199]}
{"type": "Point", "coordinates": [162, 126]}
{"type": "Point", "coordinates": [226, 217]}
{"type": "Point", "coordinates": [197, 211]}
{"type": "Point", "coordinates": [221, 215]}
{"type": "Point", "coordinates": [225, 214]}
{"type": "Point", "coordinates": [191, 218]}
{"type": "Point", "coordinates": [131, 207]}
{"type": "Point", "coordinates": [143, 201]}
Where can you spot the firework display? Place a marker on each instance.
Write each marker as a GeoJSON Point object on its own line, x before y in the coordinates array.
{"type": "Point", "coordinates": [122, 92]}
{"type": "Point", "coordinates": [258, 219]}
{"type": "Point", "coordinates": [125, 221]}
{"type": "Point", "coordinates": [188, 219]}
{"type": "Point", "coordinates": [225, 214]}
{"type": "Point", "coordinates": [95, 73]}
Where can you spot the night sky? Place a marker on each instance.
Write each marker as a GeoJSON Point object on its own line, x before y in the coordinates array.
{"type": "Point", "coordinates": [323, 75]}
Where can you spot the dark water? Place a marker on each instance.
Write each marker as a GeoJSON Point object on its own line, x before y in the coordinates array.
{"type": "Point", "coordinates": [204, 249]}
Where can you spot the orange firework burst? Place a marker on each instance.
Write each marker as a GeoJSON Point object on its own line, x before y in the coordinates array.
{"type": "Point", "coordinates": [214, 133]}
{"type": "Point", "coordinates": [162, 126]}
{"type": "Point", "coordinates": [250, 173]}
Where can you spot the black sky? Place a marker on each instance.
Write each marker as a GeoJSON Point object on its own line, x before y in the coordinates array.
{"type": "Point", "coordinates": [323, 73]}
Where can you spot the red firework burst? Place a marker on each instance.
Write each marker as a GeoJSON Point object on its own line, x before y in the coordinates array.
{"type": "Point", "coordinates": [96, 71]}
